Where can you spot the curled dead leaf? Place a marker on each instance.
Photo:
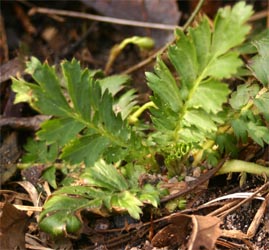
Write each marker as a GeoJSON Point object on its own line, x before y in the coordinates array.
{"type": "Point", "coordinates": [12, 227]}
{"type": "Point", "coordinates": [204, 232]}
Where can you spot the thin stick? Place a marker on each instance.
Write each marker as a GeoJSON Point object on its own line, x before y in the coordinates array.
{"type": "Point", "coordinates": [259, 15]}
{"type": "Point", "coordinates": [193, 15]}
{"type": "Point", "coordinates": [102, 18]}
{"type": "Point", "coordinates": [224, 214]}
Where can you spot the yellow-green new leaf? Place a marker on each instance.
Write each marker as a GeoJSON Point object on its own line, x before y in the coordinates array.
{"type": "Point", "coordinates": [126, 200]}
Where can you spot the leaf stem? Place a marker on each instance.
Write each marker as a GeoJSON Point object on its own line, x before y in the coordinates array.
{"type": "Point", "coordinates": [185, 106]}
{"type": "Point", "coordinates": [243, 166]}
{"type": "Point", "coordinates": [134, 117]}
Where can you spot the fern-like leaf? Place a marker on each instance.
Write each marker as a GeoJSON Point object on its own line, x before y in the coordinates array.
{"type": "Point", "coordinates": [85, 124]}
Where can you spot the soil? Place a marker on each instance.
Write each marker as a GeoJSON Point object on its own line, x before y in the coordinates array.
{"type": "Point", "coordinates": [55, 38]}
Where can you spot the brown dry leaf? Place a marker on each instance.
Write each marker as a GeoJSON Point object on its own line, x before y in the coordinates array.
{"type": "Point", "coordinates": [12, 228]}
{"type": "Point", "coordinates": [204, 234]}
{"type": "Point", "coordinates": [164, 12]}
{"type": "Point", "coordinates": [171, 235]}
{"type": "Point", "coordinates": [206, 230]}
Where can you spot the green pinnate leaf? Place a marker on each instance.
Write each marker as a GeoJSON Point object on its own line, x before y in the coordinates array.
{"type": "Point", "coordinates": [40, 152]}
{"type": "Point", "coordinates": [229, 28]}
{"type": "Point", "coordinates": [210, 96]}
{"type": "Point", "coordinates": [63, 211]}
{"type": "Point", "coordinates": [78, 84]}
{"type": "Point", "coordinates": [258, 133]}
{"type": "Point", "coordinates": [85, 122]}
{"type": "Point", "coordinates": [88, 148]}
{"type": "Point", "coordinates": [260, 63]}
{"type": "Point", "coordinates": [50, 97]}
{"type": "Point", "coordinates": [202, 58]}
{"type": "Point", "coordinates": [201, 36]}
{"type": "Point", "coordinates": [262, 103]}
{"type": "Point", "coordinates": [244, 93]}
{"type": "Point", "coordinates": [61, 130]}
{"type": "Point", "coordinates": [164, 85]}
{"type": "Point", "coordinates": [224, 66]}
{"type": "Point", "coordinates": [128, 201]}
{"type": "Point", "coordinates": [106, 176]}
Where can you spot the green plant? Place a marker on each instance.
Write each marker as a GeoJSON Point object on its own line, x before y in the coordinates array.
{"type": "Point", "coordinates": [102, 190]}
{"type": "Point", "coordinates": [98, 130]}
